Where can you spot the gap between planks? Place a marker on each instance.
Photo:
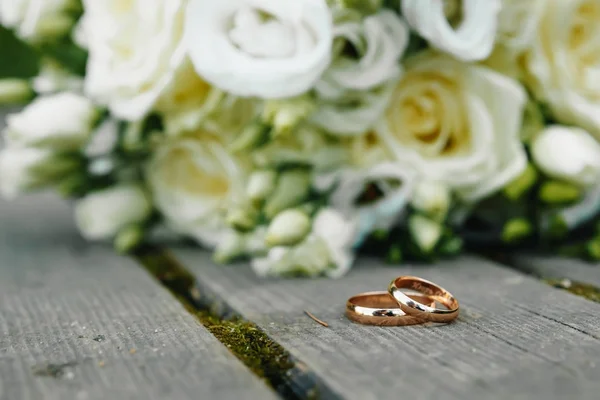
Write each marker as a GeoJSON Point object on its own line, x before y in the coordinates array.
{"type": "Point", "coordinates": [557, 269]}
{"type": "Point", "coordinates": [516, 337]}
{"type": "Point", "coordinates": [78, 321]}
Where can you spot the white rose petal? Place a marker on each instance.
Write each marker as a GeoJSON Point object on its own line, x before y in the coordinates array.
{"type": "Point", "coordinates": [35, 20]}
{"type": "Point", "coordinates": [135, 51]}
{"type": "Point", "coordinates": [385, 37]}
{"type": "Point", "coordinates": [101, 215]}
{"type": "Point", "coordinates": [339, 234]}
{"type": "Point", "coordinates": [458, 124]}
{"type": "Point", "coordinates": [195, 182]}
{"type": "Point", "coordinates": [568, 153]}
{"type": "Point", "coordinates": [352, 114]}
{"type": "Point", "coordinates": [518, 22]}
{"type": "Point", "coordinates": [190, 103]}
{"type": "Point", "coordinates": [61, 121]}
{"type": "Point", "coordinates": [266, 49]}
{"type": "Point", "coordinates": [472, 40]}
{"type": "Point", "coordinates": [353, 93]}
{"type": "Point", "coordinates": [395, 182]}
{"type": "Point", "coordinates": [562, 63]}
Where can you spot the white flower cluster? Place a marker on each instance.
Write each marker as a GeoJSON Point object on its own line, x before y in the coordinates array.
{"type": "Point", "coordinates": [292, 132]}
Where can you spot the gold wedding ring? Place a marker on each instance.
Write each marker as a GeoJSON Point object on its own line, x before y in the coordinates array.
{"type": "Point", "coordinates": [381, 309]}
{"type": "Point", "coordinates": [417, 309]}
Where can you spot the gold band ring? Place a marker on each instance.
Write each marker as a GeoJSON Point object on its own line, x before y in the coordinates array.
{"type": "Point", "coordinates": [379, 308]}
{"type": "Point", "coordinates": [423, 311]}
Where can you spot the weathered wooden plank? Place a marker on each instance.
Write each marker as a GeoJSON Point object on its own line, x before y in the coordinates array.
{"type": "Point", "coordinates": [516, 338]}
{"type": "Point", "coordinates": [79, 322]}
{"type": "Point", "coordinates": [558, 268]}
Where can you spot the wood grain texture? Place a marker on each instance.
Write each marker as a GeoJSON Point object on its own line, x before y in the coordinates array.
{"type": "Point", "coordinates": [558, 268]}
{"type": "Point", "coordinates": [79, 322]}
{"type": "Point", "coordinates": [516, 338]}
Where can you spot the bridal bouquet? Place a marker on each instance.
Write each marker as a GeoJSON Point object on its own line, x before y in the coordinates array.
{"type": "Point", "coordinates": [298, 133]}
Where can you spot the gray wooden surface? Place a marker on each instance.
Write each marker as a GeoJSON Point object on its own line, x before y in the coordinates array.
{"type": "Point", "coordinates": [516, 338]}
{"type": "Point", "coordinates": [79, 322]}
{"type": "Point", "coordinates": [558, 268]}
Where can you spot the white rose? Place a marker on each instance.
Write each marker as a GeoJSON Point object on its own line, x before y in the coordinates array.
{"type": "Point", "coordinates": [267, 49]}
{"type": "Point", "coordinates": [380, 41]}
{"type": "Point", "coordinates": [568, 153]}
{"type": "Point", "coordinates": [562, 63]}
{"type": "Point", "coordinates": [354, 92]}
{"type": "Point", "coordinates": [517, 26]}
{"type": "Point", "coordinates": [35, 20]}
{"type": "Point", "coordinates": [195, 182]}
{"type": "Point", "coordinates": [101, 215]}
{"type": "Point", "coordinates": [63, 121]}
{"type": "Point", "coordinates": [518, 22]}
{"type": "Point", "coordinates": [25, 169]}
{"type": "Point", "coordinates": [190, 103]}
{"type": "Point", "coordinates": [458, 124]}
{"type": "Point", "coordinates": [135, 51]}
{"type": "Point", "coordinates": [472, 40]}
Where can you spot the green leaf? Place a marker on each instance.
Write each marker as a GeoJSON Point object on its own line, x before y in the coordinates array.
{"type": "Point", "coordinates": [19, 59]}
{"type": "Point", "coordinates": [68, 54]}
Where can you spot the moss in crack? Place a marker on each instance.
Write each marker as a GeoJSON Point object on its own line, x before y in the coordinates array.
{"type": "Point", "coordinates": [264, 357]}
{"type": "Point", "coordinates": [585, 290]}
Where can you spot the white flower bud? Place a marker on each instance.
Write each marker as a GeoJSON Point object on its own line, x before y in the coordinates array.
{"type": "Point", "coordinates": [292, 189]}
{"type": "Point", "coordinates": [231, 246]}
{"type": "Point", "coordinates": [19, 170]}
{"type": "Point", "coordinates": [569, 154]}
{"type": "Point", "coordinates": [101, 215]}
{"type": "Point", "coordinates": [311, 258]}
{"type": "Point", "coordinates": [425, 232]}
{"type": "Point", "coordinates": [54, 78]}
{"type": "Point", "coordinates": [129, 238]}
{"type": "Point", "coordinates": [288, 228]}
{"type": "Point", "coordinates": [285, 115]}
{"type": "Point", "coordinates": [327, 250]}
{"type": "Point", "coordinates": [63, 121]}
{"type": "Point", "coordinates": [36, 21]}
{"type": "Point", "coordinates": [432, 198]}
{"type": "Point", "coordinates": [14, 91]}
{"type": "Point", "coordinates": [339, 235]}
{"type": "Point", "coordinates": [261, 184]}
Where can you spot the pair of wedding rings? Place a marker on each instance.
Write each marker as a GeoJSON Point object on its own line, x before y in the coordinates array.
{"type": "Point", "coordinates": [409, 301]}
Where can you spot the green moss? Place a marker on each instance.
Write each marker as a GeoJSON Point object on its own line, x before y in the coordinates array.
{"type": "Point", "coordinates": [266, 358]}
{"type": "Point", "coordinates": [585, 290]}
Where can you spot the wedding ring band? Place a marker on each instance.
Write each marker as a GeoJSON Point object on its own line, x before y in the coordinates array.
{"type": "Point", "coordinates": [425, 312]}
{"type": "Point", "coordinates": [379, 308]}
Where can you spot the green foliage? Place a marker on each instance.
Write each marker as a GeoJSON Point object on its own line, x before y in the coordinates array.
{"type": "Point", "coordinates": [68, 54]}
{"type": "Point", "coordinates": [19, 60]}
